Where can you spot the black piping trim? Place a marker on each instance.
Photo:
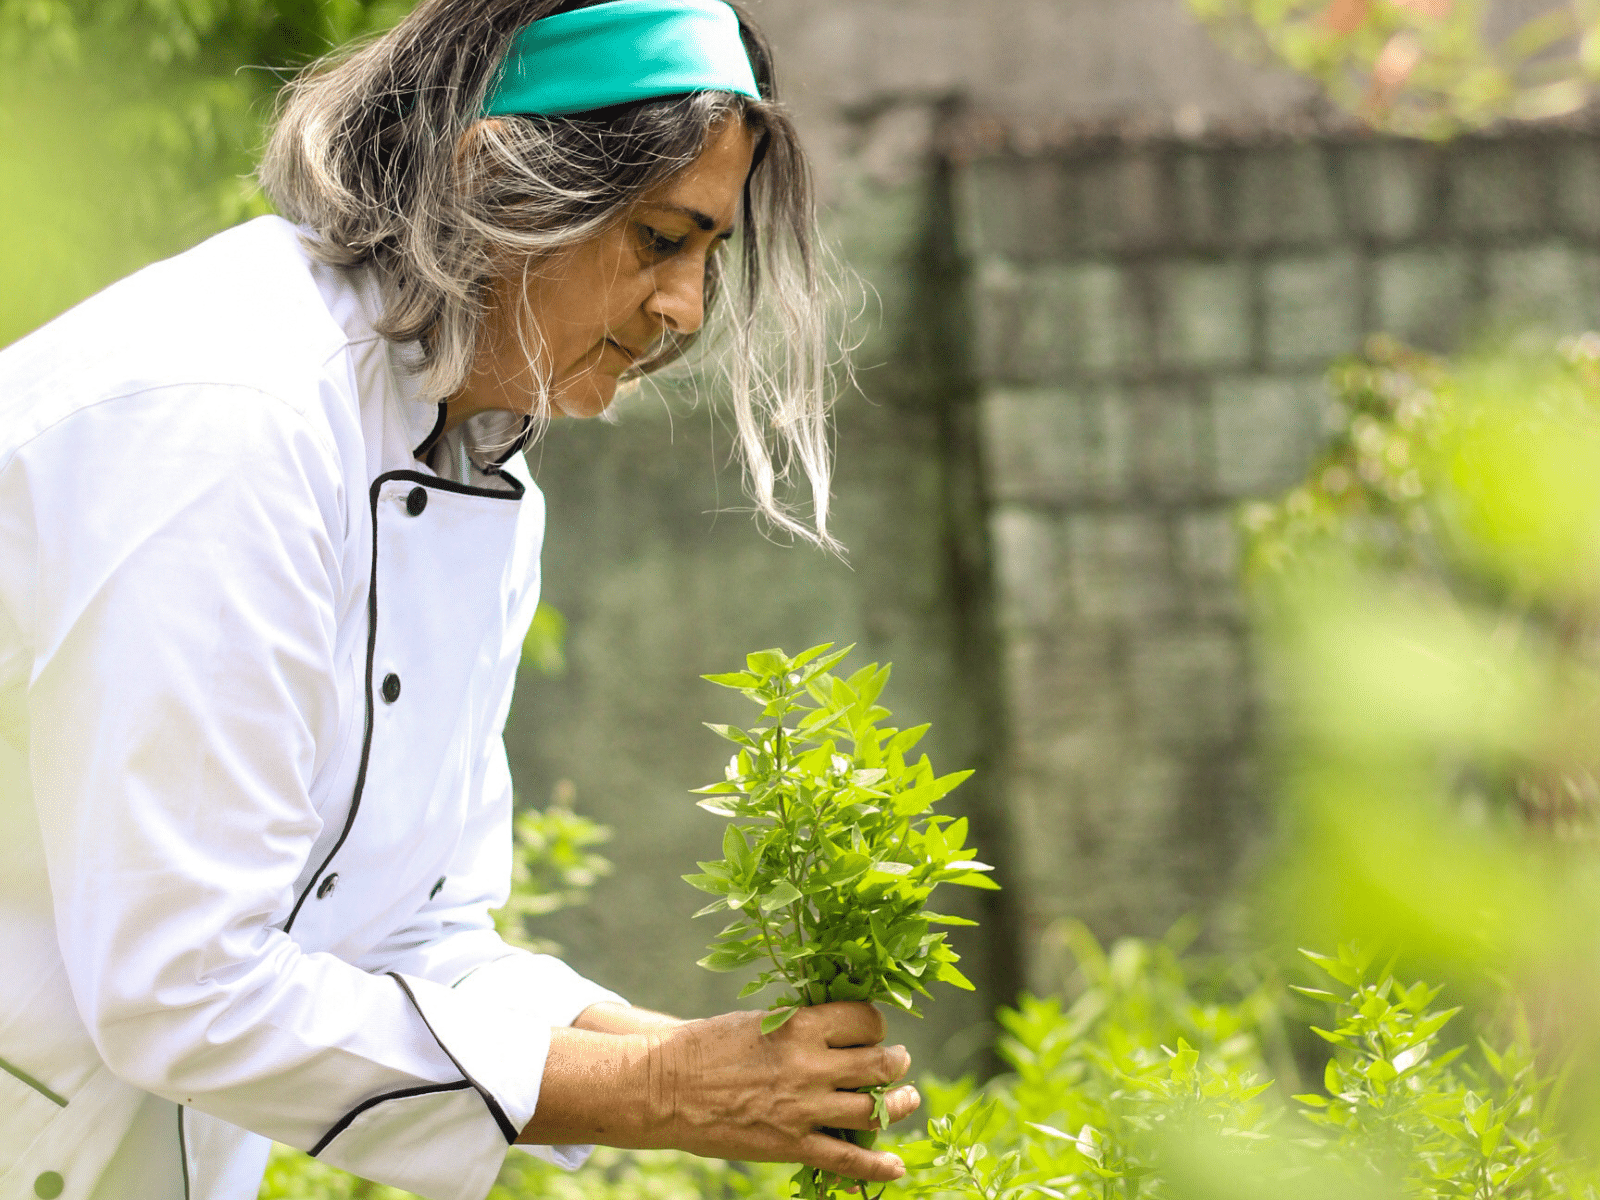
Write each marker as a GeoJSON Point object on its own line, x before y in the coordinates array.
{"type": "Point", "coordinates": [348, 1119]}
{"type": "Point", "coordinates": [183, 1153]}
{"type": "Point", "coordinates": [507, 1129]}
{"type": "Point", "coordinates": [434, 434]}
{"type": "Point", "coordinates": [432, 481]}
{"type": "Point", "coordinates": [27, 1080]}
{"type": "Point", "coordinates": [517, 443]}
{"type": "Point", "coordinates": [514, 491]}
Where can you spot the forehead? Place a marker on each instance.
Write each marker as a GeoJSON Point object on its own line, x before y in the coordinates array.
{"type": "Point", "coordinates": [714, 182]}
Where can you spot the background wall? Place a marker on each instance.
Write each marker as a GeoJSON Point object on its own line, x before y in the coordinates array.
{"type": "Point", "coordinates": [1153, 322]}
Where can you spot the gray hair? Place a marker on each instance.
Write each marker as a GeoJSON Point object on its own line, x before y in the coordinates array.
{"type": "Point", "coordinates": [380, 152]}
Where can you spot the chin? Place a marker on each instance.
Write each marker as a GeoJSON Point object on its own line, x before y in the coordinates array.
{"type": "Point", "coordinates": [588, 396]}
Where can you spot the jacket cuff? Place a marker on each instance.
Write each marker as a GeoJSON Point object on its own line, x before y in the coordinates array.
{"type": "Point", "coordinates": [499, 1051]}
{"type": "Point", "coordinates": [448, 1141]}
{"type": "Point", "coordinates": [546, 992]}
{"type": "Point", "coordinates": [543, 989]}
{"type": "Point", "coordinates": [434, 1141]}
{"type": "Point", "coordinates": [568, 1158]}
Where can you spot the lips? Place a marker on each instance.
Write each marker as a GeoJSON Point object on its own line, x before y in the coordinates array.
{"type": "Point", "coordinates": [633, 356]}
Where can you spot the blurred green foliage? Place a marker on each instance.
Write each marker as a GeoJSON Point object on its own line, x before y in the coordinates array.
{"type": "Point", "coordinates": [129, 129]}
{"type": "Point", "coordinates": [1153, 1083]}
{"type": "Point", "coordinates": [544, 649]}
{"type": "Point", "coordinates": [609, 1175]}
{"type": "Point", "coordinates": [1427, 68]}
{"type": "Point", "coordinates": [1428, 598]}
{"type": "Point", "coordinates": [554, 864]}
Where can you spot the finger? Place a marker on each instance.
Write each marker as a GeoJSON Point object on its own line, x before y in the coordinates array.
{"type": "Point", "coordinates": [855, 1110]}
{"type": "Point", "coordinates": [833, 1154]}
{"type": "Point", "coordinates": [850, 1023]}
{"type": "Point", "coordinates": [902, 1102]}
{"type": "Point", "coordinates": [868, 1066]}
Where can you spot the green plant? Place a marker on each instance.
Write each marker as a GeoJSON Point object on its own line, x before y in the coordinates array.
{"type": "Point", "coordinates": [1412, 1110]}
{"type": "Point", "coordinates": [1151, 1071]}
{"type": "Point", "coordinates": [554, 864]}
{"type": "Point", "coordinates": [1151, 1044]}
{"type": "Point", "coordinates": [545, 647]}
{"type": "Point", "coordinates": [832, 849]}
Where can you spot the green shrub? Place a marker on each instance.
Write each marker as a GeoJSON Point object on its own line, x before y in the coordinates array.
{"type": "Point", "coordinates": [1148, 1085]}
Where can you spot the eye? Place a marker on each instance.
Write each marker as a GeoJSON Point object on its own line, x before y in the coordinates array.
{"type": "Point", "coordinates": [657, 244]}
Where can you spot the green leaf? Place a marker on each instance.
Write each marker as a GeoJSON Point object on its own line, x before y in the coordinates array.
{"type": "Point", "coordinates": [820, 718]}
{"type": "Point", "coordinates": [776, 1019]}
{"type": "Point", "coordinates": [845, 988]}
{"type": "Point", "coordinates": [892, 868]}
{"type": "Point", "coordinates": [739, 680]}
{"type": "Point", "coordinates": [737, 851]}
{"type": "Point", "coordinates": [1343, 972]}
{"type": "Point", "coordinates": [982, 882]}
{"type": "Point", "coordinates": [906, 739]}
{"type": "Point", "coordinates": [899, 999]}
{"type": "Point", "coordinates": [940, 919]}
{"type": "Point", "coordinates": [707, 883]}
{"type": "Point", "coordinates": [956, 835]}
{"type": "Point", "coordinates": [730, 958]}
{"type": "Point", "coordinates": [847, 867]}
{"type": "Point", "coordinates": [1314, 993]}
{"type": "Point", "coordinates": [737, 736]}
{"type": "Point", "coordinates": [767, 662]}
{"type": "Point", "coordinates": [806, 656]}
{"type": "Point", "coordinates": [948, 974]}
{"type": "Point", "coordinates": [783, 893]}
{"type": "Point", "coordinates": [819, 667]}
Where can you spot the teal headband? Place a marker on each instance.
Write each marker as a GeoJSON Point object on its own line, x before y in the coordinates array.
{"type": "Point", "coordinates": [620, 52]}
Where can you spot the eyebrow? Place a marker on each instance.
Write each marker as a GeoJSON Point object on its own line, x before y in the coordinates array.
{"type": "Point", "coordinates": [706, 223]}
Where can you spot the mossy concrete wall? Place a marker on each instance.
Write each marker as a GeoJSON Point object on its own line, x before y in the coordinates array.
{"type": "Point", "coordinates": [1153, 320]}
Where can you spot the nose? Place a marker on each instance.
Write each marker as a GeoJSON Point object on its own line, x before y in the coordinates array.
{"type": "Point", "coordinates": [679, 299]}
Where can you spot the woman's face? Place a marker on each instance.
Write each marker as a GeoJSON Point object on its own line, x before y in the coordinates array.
{"type": "Point", "coordinates": [604, 305]}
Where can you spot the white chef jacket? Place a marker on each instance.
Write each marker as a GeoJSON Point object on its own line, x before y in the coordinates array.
{"type": "Point", "coordinates": [255, 660]}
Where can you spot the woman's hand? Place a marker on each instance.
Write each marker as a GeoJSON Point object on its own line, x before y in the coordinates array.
{"type": "Point", "coordinates": [722, 1089]}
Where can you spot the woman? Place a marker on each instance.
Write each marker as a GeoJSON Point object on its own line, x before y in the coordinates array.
{"type": "Point", "coordinates": [267, 555]}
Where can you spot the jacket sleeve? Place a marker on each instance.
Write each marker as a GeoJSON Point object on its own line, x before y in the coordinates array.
{"type": "Point", "coordinates": [453, 941]}
{"type": "Point", "coordinates": [190, 548]}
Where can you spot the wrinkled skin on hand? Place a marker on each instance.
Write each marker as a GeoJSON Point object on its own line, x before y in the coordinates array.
{"type": "Point", "coordinates": [722, 1089]}
{"type": "Point", "coordinates": [729, 1091]}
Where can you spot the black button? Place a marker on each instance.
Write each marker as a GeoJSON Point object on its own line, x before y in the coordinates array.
{"type": "Point", "coordinates": [49, 1185]}
{"type": "Point", "coordinates": [391, 688]}
{"type": "Point", "coordinates": [417, 501]}
{"type": "Point", "coordinates": [436, 888]}
{"type": "Point", "coordinates": [325, 888]}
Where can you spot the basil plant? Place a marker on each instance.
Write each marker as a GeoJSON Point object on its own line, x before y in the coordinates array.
{"type": "Point", "coordinates": [832, 848]}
